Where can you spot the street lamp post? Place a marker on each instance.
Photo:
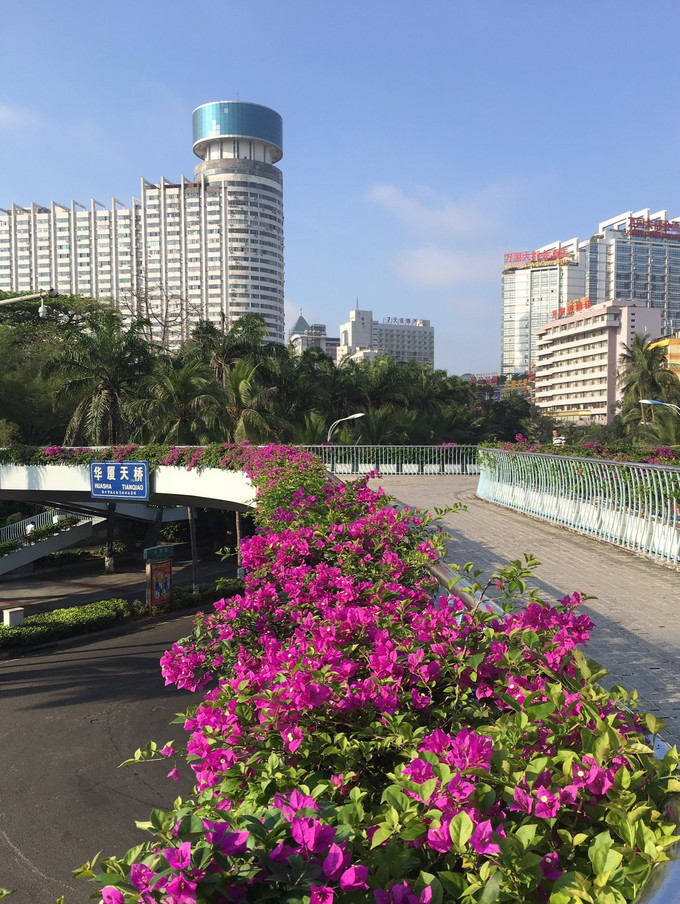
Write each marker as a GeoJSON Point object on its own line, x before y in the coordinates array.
{"type": "Point", "coordinates": [42, 310]}
{"type": "Point", "coordinates": [350, 417]}
{"type": "Point", "coordinates": [650, 402]}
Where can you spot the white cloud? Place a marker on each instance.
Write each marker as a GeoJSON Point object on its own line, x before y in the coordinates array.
{"type": "Point", "coordinates": [434, 266]}
{"type": "Point", "coordinates": [442, 217]}
{"type": "Point", "coordinates": [13, 117]}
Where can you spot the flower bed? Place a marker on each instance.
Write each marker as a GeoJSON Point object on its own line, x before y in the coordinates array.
{"type": "Point", "coordinates": [358, 739]}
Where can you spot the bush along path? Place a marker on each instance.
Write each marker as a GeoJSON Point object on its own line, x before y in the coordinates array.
{"type": "Point", "coordinates": [356, 739]}
{"type": "Point", "coordinates": [76, 621]}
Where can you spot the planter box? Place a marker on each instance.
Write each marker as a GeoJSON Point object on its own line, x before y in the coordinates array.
{"type": "Point", "coordinates": [366, 468]}
{"type": "Point", "coordinates": [410, 469]}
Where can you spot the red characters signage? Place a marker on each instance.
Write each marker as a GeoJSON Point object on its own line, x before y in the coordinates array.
{"type": "Point", "coordinates": [662, 229]}
{"type": "Point", "coordinates": [517, 258]}
{"type": "Point", "coordinates": [578, 304]}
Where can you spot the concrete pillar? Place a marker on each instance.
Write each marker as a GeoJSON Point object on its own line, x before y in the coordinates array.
{"type": "Point", "coordinates": [13, 618]}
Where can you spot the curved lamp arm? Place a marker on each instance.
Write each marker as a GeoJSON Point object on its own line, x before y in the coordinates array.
{"type": "Point", "coordinates": [350, 417]}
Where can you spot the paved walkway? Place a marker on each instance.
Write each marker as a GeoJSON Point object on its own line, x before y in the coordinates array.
{"type": "Point", "coordinates": [635, 610]}
{"type": "Point", "coordinates": [86, 582]}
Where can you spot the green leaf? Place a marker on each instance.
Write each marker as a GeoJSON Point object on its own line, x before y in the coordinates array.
{"type": "Point", "coordinates": [539, 711]}
{"type": "Point", "coordinates": [382, 833]}
{"type": "Point", "coordinates": [395, 797]}
{"type": "Point", "coordinates": [655, 726]}
{"type": "Point", "coordinates": [492, 889]}
{"type": "Point", "coordinates": [427, 789]}
{"type": "Point", "coordinates": [454, 883]}
{"type": "Point", "coordinates": [460, 830]}
{"type": "Point", "coordinates": [511, 702]}
{"type": "Point", "coordinates": [602, 855]}
{"type": "Point", "coordinates": [525, 835]}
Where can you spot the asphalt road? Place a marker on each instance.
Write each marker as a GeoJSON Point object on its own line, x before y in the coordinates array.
{"type": "Point", "coordinates": [68, 717]}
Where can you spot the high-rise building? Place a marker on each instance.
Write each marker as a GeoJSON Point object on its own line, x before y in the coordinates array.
{"type": "Point", "coordinates": [632, 257]}
{"type": "Point", "coordinates": [403, 338]}
{"type": "Point", "coordinates": [534, 284]}
{"type": "Point", "coordinates": [208, 248]}
{"type": "Point", "coordinates": [636, 256]}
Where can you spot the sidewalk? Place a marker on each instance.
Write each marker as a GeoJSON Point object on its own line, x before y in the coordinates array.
{"type": "Point", "coordinates": [637, 628]}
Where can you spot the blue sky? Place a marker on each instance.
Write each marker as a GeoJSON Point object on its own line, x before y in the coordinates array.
{"type": "Point", "coordinates": [421, 140]}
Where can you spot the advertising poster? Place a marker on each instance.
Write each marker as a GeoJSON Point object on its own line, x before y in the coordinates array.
{"type": "Point", "coordinates": [159, 582]}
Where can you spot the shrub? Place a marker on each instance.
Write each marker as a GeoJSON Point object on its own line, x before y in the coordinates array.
{"type": "Point", "coordinates": [74, 621]}
{"type": "Point", "coordinates": [359, 739]}
{"type": "Point", "coordinates": [9, 546]}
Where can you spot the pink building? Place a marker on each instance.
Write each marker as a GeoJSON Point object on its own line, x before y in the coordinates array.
{"type": "Point", "coordinates": [578, 357]}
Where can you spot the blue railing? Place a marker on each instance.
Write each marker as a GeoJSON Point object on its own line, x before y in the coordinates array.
{"type": "Point", "coordinates": [635, 506]}
{"type": "Point", "coordinates": [402, 460]}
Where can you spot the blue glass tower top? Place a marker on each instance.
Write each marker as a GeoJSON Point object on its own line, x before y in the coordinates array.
{"type": "Point", "coordinates": [234, 119]}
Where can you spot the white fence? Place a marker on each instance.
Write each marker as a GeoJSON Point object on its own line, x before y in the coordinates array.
{"type": "Point", "coordinates": [631, 505]}
{"type": "Point", "coordinates": [404, 460]}
{"type": "Point", "coordinates": [48, 518]}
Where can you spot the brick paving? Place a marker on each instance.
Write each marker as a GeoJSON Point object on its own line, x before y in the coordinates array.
{"type": "Point", "coordinates": [635, 609]}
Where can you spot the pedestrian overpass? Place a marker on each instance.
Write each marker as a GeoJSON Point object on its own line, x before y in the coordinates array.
{"type": "Point", "coordinates": [66, 485]}
{"type": "Point", "coordinates": [66, 488]}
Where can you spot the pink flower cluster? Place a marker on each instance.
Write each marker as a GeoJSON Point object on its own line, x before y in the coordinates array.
{"type": "Point", "coordinates": [336, 668]}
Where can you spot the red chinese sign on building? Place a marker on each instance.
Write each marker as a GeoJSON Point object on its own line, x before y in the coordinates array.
{"type": "Point", "coordinates": [646, 228]}
{"type": "Point", "coordinates": [514, 258]}
{"type": "Point", "coordinates": [572, 307]}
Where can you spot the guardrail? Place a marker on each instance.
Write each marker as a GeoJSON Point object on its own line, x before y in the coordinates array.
{"type": "Point", "coordinates": [403, 460]}
{"type": "Point", "coordinates": [17, 531]}
{"type": "Point", "coordinates": [636, 506]}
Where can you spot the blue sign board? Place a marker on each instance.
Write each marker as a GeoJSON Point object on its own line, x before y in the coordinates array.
{"type": "Point", "coordinates": [119, 480]}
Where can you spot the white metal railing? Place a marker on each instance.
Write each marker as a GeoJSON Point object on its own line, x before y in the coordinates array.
{"type": "Point", "coordinates": [17, 531]}
{"type": "Point", "coordinates": [636, 506]}
{"type": "Point", "coordinates": [403, 460]}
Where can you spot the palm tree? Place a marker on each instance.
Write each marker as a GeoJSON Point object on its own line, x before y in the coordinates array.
{"type": "Point", "coordinates": [644, 374]}
{"type": "Point", "coordinates": [104, 363]}
{"type": "Point", "coordinates": [222, 349]}
{"type": "Point", "coordinates": [249, 405]}
{"type": "Point", "coordinates": [181, 403]}
{"type": "Point", "coordinates": [310, 430]}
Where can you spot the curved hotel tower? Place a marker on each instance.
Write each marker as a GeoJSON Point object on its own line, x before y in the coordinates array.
{"type": "Point", "coordinates": [207, 248]}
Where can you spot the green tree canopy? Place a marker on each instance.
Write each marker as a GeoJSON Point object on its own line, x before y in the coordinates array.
{"type": "Point", "coordinates": [102, 366]}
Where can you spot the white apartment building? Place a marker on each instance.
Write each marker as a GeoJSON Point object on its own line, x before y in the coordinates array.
{"type": "Point", "coordinates": [208, 248]}
{"type": "Point", "coordinates": [634, 256]}
{"type": "Point", "coordinates": [534, 284]}
{"type": "Point", "coordinates": [403, 338]}
{"type": "Point", "coordinates": [578, 357]}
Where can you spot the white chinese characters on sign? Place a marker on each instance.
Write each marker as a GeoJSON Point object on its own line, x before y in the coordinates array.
{"type": "Point", "coordinates": [119, 480]}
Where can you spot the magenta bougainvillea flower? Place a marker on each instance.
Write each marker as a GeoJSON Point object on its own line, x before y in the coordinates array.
{"type": "Point", "coordinates": [350, 716]}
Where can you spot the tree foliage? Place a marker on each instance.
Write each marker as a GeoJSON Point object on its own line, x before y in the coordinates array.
{"type": "Point", "coordinates": [83, 375]}
{"type": "Point", "coordinates": [644, 374]}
